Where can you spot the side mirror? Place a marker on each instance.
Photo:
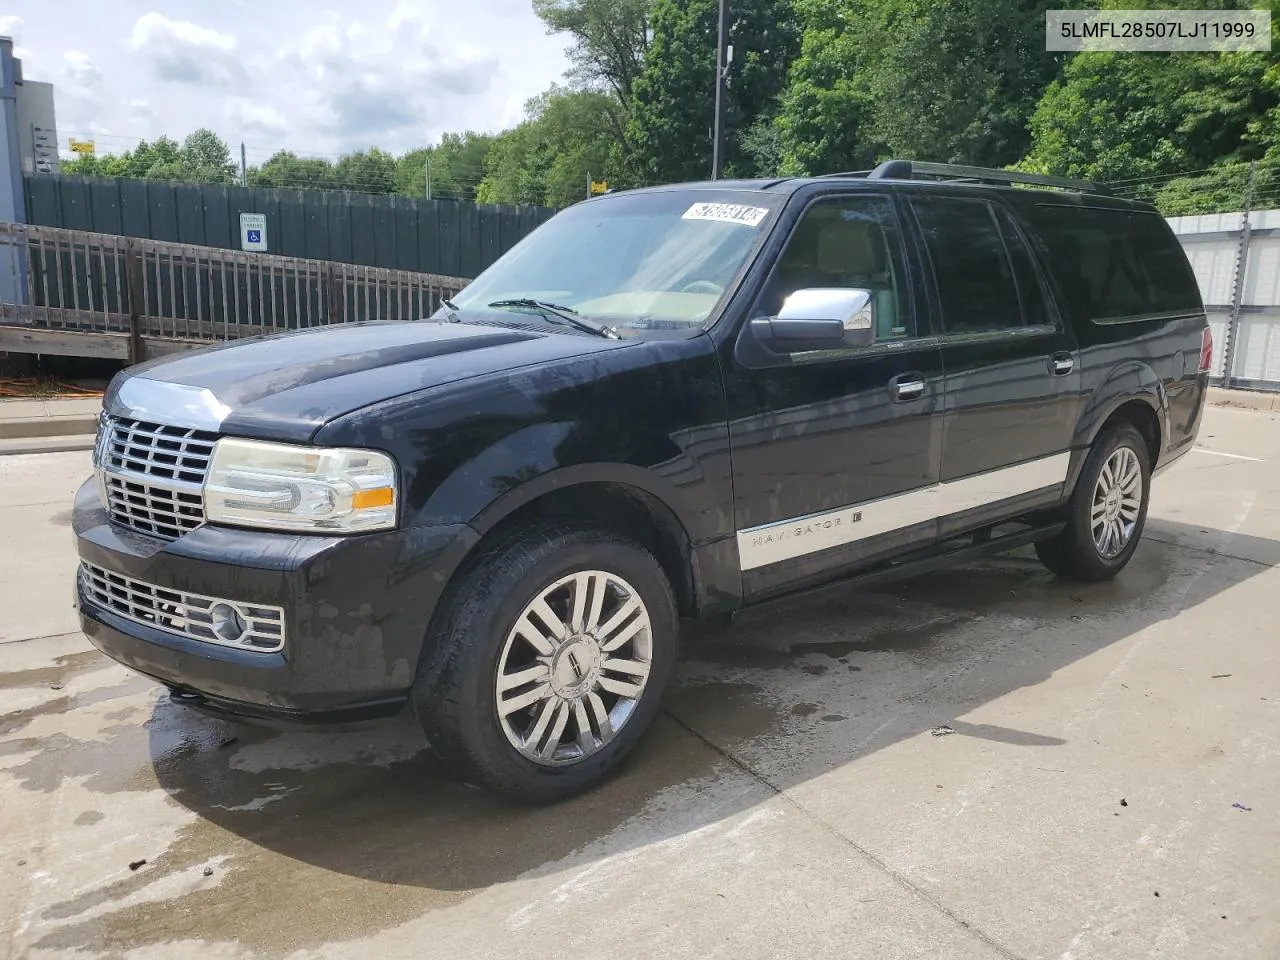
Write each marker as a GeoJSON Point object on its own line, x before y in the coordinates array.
{"type": "Point", "coordinates": [819, 319]}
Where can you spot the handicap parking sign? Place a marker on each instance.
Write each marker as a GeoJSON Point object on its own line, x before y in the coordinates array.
{"type": "Point", "coordinates": [253, 232]}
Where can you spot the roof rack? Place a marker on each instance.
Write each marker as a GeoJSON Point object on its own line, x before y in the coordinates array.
{"type": "Point", "coordinates": [912, 169]}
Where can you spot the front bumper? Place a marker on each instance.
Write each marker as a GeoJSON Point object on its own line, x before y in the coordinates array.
{"type": "Point", "coordinates": [356, 611]}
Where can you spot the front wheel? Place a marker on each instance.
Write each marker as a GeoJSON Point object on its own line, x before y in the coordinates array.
{"type": "Point", "coordinates": [548, 661]}
{"type": "Point", "coordinates": [1107, 511]}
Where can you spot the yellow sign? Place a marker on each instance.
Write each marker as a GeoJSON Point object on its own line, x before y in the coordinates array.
{"type": "Point", "coordinates": [598, 187]}
{"type": "Point", "coordinates": [81, 146]}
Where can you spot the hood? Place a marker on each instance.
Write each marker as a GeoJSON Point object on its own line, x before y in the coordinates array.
{"type": "Point", "coordinates": [285, 387]}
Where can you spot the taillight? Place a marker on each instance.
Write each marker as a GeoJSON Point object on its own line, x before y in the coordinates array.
{"type": "Point", "coordinates": [1206, 350]}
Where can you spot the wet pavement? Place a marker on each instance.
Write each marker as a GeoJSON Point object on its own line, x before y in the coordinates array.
{"type": "Point", "coordinates": [980, 763]}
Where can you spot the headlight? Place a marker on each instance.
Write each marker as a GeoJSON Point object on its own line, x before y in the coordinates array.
{"type": "Point", "coordinates": [309, 489]}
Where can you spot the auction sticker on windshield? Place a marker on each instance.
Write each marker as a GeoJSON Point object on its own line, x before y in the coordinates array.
{"type": "Point", "coordinates": [727, 213]}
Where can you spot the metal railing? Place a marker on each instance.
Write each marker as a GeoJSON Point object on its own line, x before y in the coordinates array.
{"type": "Point", "coordinates": [67, 291]}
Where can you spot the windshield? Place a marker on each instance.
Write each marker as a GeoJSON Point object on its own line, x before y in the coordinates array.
{"type": "Point", "coordinates": [639, 261]}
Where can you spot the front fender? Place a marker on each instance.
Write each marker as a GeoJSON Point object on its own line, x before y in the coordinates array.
{"type": "Point", "coordinates": [626, 475]}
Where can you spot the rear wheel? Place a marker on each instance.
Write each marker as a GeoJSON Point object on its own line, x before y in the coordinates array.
{"type": "Point", "coordinates": [1107, 511]}
{"type": "Point", "coordinates": [548, 661]}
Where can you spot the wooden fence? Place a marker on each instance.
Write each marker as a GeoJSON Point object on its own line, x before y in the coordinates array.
{"type": "Point", "coordinates": [74, 293]}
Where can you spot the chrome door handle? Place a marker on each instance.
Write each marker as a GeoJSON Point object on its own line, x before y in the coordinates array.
{"type": "Point", "coordinates": [1063, 364]}
{"type": "Point", "coordinates": [908, 390]}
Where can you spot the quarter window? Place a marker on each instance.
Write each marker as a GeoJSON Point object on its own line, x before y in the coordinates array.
{"type": "Point", "coordinates": [1114, 264]}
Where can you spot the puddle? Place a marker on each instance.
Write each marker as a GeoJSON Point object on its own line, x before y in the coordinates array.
{"type": "Point", "coordinates": [369, 821]}
{"type": "Point", "coordinates": [57, 672]}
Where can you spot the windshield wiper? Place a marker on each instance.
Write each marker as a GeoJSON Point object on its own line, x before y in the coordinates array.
{"type": "Point", "coordinates": [567, 314]}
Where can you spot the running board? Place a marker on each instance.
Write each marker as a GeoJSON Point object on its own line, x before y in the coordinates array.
{"type": "Point", "coordinates": [981, 545]}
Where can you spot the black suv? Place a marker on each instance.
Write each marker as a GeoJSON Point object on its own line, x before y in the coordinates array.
{"type": "Point", "coordinates": [665, 403]}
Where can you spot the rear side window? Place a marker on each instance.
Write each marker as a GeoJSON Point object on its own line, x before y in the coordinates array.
{"type": "Point", "coordinates": [970, 264]}
{"type": "Point", "coordinates": [1114, 265]}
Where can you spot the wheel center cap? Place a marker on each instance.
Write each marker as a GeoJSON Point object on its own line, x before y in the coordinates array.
{"type": "Point", "coordinates": [1113, 504]}
{"type": "Point", "coordinates": [575, 667]}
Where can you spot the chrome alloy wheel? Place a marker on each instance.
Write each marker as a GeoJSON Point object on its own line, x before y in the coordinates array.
{"type": "Point", "coordinates": [1117, 501]}
{"type": "Point", "coordinates": [574, 667]}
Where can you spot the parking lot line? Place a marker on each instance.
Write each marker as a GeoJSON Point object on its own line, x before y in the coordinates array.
{"type": "Point", "coordinates": [1222, 453]}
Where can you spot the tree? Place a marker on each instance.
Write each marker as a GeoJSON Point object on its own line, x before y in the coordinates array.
{"type": "Point", "coordinates": [943, 80]}
{"type": "Point", "coordinates": [202, 158]}
{"type": "Point", "coordinates": [610, 38]}
{"type": "Point", "coordinates": [366, 171]}
{"type": "Point", "coordinates": [206, 158]}
{"type": "Point", "coordinates": [669, 132]}
{"type": "Point", "coordinates": [567, 136]}
{"type": "Point", "coordinates": [287, 169]}
{"type": "Point", "coordinates": [825, 119]}
{"type": "Point", "coordinates": [1120, 116]}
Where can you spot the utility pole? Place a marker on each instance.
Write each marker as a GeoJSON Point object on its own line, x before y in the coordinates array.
{"type": "Point", "coordinates": [1242, 267]}
{"type": "Point", "coordinates": [244, 167]}
{"type": "Point", "coordinates": [428, 173]}
{"type": "Point", "coordinates": [724, 54]}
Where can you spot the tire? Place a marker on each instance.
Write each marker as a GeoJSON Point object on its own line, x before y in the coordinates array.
{"type": "Point", "coordinates": [1077, 553]}
{"type": "Point", "coordinates": [474, 636]}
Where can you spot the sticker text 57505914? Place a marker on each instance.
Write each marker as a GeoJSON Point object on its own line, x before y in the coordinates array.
{"type": "Point", "coordinates": [727, 213]}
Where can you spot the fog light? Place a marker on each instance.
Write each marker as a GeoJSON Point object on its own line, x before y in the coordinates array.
{"type": "Point", "coordinates": [227, 622]}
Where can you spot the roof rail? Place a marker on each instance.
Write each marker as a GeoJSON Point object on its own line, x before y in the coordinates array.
{"type": "Point", "coordinates": [909, 169]}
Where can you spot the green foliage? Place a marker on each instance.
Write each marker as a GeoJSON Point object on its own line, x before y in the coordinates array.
{"type": "Point", "coordinates": [201, 158]}
{"type": "Point", "coordinates": [368, 171]}
{"type": "Point", "coordinates": [1219, 190]}
{"type": "Point", "coordinates": [1117, 116]}
{"type": "Point", "coordinates": [610, 38]}
{"type": "Point", "coordinates": [672, 104]}
{"type": "Point", "coordinates": [943, 80]}
{"type": "Point", "coordinates": [1142, 119]}
{"type": "Point", "coordinates": [827, 110]}
{"type": "Point", "coordinates": [567, 137]}
{"type": "Point", "coordinates": [286, 169]}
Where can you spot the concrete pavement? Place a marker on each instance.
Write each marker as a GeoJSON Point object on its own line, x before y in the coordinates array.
{"type": "Point", "coordinates": [1108, 788]}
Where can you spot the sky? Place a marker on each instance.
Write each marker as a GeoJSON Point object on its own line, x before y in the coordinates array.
{"type": "Point", "coordinates": [316, 79]}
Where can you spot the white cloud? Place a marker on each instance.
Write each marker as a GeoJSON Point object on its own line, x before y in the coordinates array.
{"type": "Point", "coordinates": [11, 27]}
{"type": "Point", "coordinates": [141, 111]}
{"type": "Point", "coordinates": [80, 70]}
{"type": "Point", "coordinates": [371, 78]}
{"type": "Point", "coordinates": [184, 52]}
{"type": "Point", "coordinates": [257, 120]}
{"type": "Point", "coordinates": [286, 74]}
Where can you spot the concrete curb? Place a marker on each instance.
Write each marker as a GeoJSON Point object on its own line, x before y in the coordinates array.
{"type": "Point", "coordinates": [1243, 399]}
{"type": "Point", "coordinates": [57, 444]}
{"type": "Point", "coordinates": [28, 420]}
{"type": "Point", "coordinates": [28, 427]}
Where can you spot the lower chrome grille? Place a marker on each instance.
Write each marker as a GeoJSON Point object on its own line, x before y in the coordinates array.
{"type": "Point", "coordinates": [210, 619]}
{"type": "Point", "coordinates": [151, 509]}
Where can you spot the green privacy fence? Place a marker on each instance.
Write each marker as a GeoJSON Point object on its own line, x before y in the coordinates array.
{"type": "Point", "coordinates": [447, 237]}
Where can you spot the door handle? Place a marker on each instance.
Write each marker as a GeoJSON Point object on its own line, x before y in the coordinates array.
{"type": "Point", "coordinates": [1062, 364]}
{"type": "Point", "coordinates": [906, 387]}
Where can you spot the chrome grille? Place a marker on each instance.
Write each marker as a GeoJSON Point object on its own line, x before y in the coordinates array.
{"type": "Point", "coordinates": [153, 474]}
{"type": "Point", "coordinates": [187, 614]}
{"type": "Point", "coordinates": [156, 451]}
{"type": "Point", "coordinates": [152, 509]}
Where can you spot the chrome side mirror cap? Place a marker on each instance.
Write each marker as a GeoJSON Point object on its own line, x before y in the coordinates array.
{"type": "Point", "coordinates": [819, 318]}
